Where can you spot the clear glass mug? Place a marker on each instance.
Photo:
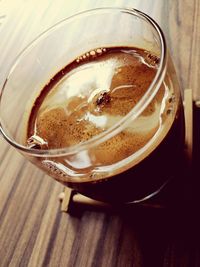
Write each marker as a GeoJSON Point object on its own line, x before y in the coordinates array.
{"type": "Point", "coordinates": [134, 178]}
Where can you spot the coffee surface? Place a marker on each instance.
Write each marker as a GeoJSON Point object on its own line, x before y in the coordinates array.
{"type": "Point", "coordinates": [92, 94]}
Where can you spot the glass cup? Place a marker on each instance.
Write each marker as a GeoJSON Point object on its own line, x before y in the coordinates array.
{"type": "Point", "coordinates": [133, 177]}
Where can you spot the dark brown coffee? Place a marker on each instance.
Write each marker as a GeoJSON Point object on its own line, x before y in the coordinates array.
{"type": "Point", "coordinates": [87, 98]}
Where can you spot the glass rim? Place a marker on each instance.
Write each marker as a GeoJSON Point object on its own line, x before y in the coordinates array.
{"type": "Point", "coordinates": [121, 124]}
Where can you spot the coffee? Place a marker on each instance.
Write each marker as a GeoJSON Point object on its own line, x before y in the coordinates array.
{"type": "Point", "coordinates": [91, 95]}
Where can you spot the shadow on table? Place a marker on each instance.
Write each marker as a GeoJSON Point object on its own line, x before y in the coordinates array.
{"type": "Point", "coordinates": [163, 232]}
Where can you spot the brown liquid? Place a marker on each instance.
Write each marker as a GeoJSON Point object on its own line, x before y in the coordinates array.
{"type": "Point", "coordinates": [85, 99]}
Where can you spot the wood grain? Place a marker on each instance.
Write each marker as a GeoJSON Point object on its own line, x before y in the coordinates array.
{"type": "Point", "coordinates": [33, 231]}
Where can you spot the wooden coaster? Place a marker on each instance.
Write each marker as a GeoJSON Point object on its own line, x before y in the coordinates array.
{"type": "Point", "coordinates": [70, 198]}
{"type": "Point", "coordinates": [66, 198]}
{"type": "Point", "coordinates": [188, 110]}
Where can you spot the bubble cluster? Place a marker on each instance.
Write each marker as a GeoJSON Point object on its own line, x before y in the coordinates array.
{"type": "Point", "coordinates": [170, 105]}
{"type": "Point", "coordinates": [172, 99]}
{"type": "Point", "coordinates": [91, 54]}
{"type": "Point", "coordinates": [54, 170]}
{"type": "Point", "coordinates": [152, 59]}
{"type": "Point", "coordinates": [103, 99]}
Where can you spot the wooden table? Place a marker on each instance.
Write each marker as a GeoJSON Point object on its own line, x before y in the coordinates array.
{"type": "Point", "coordinates": [33, 231]}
